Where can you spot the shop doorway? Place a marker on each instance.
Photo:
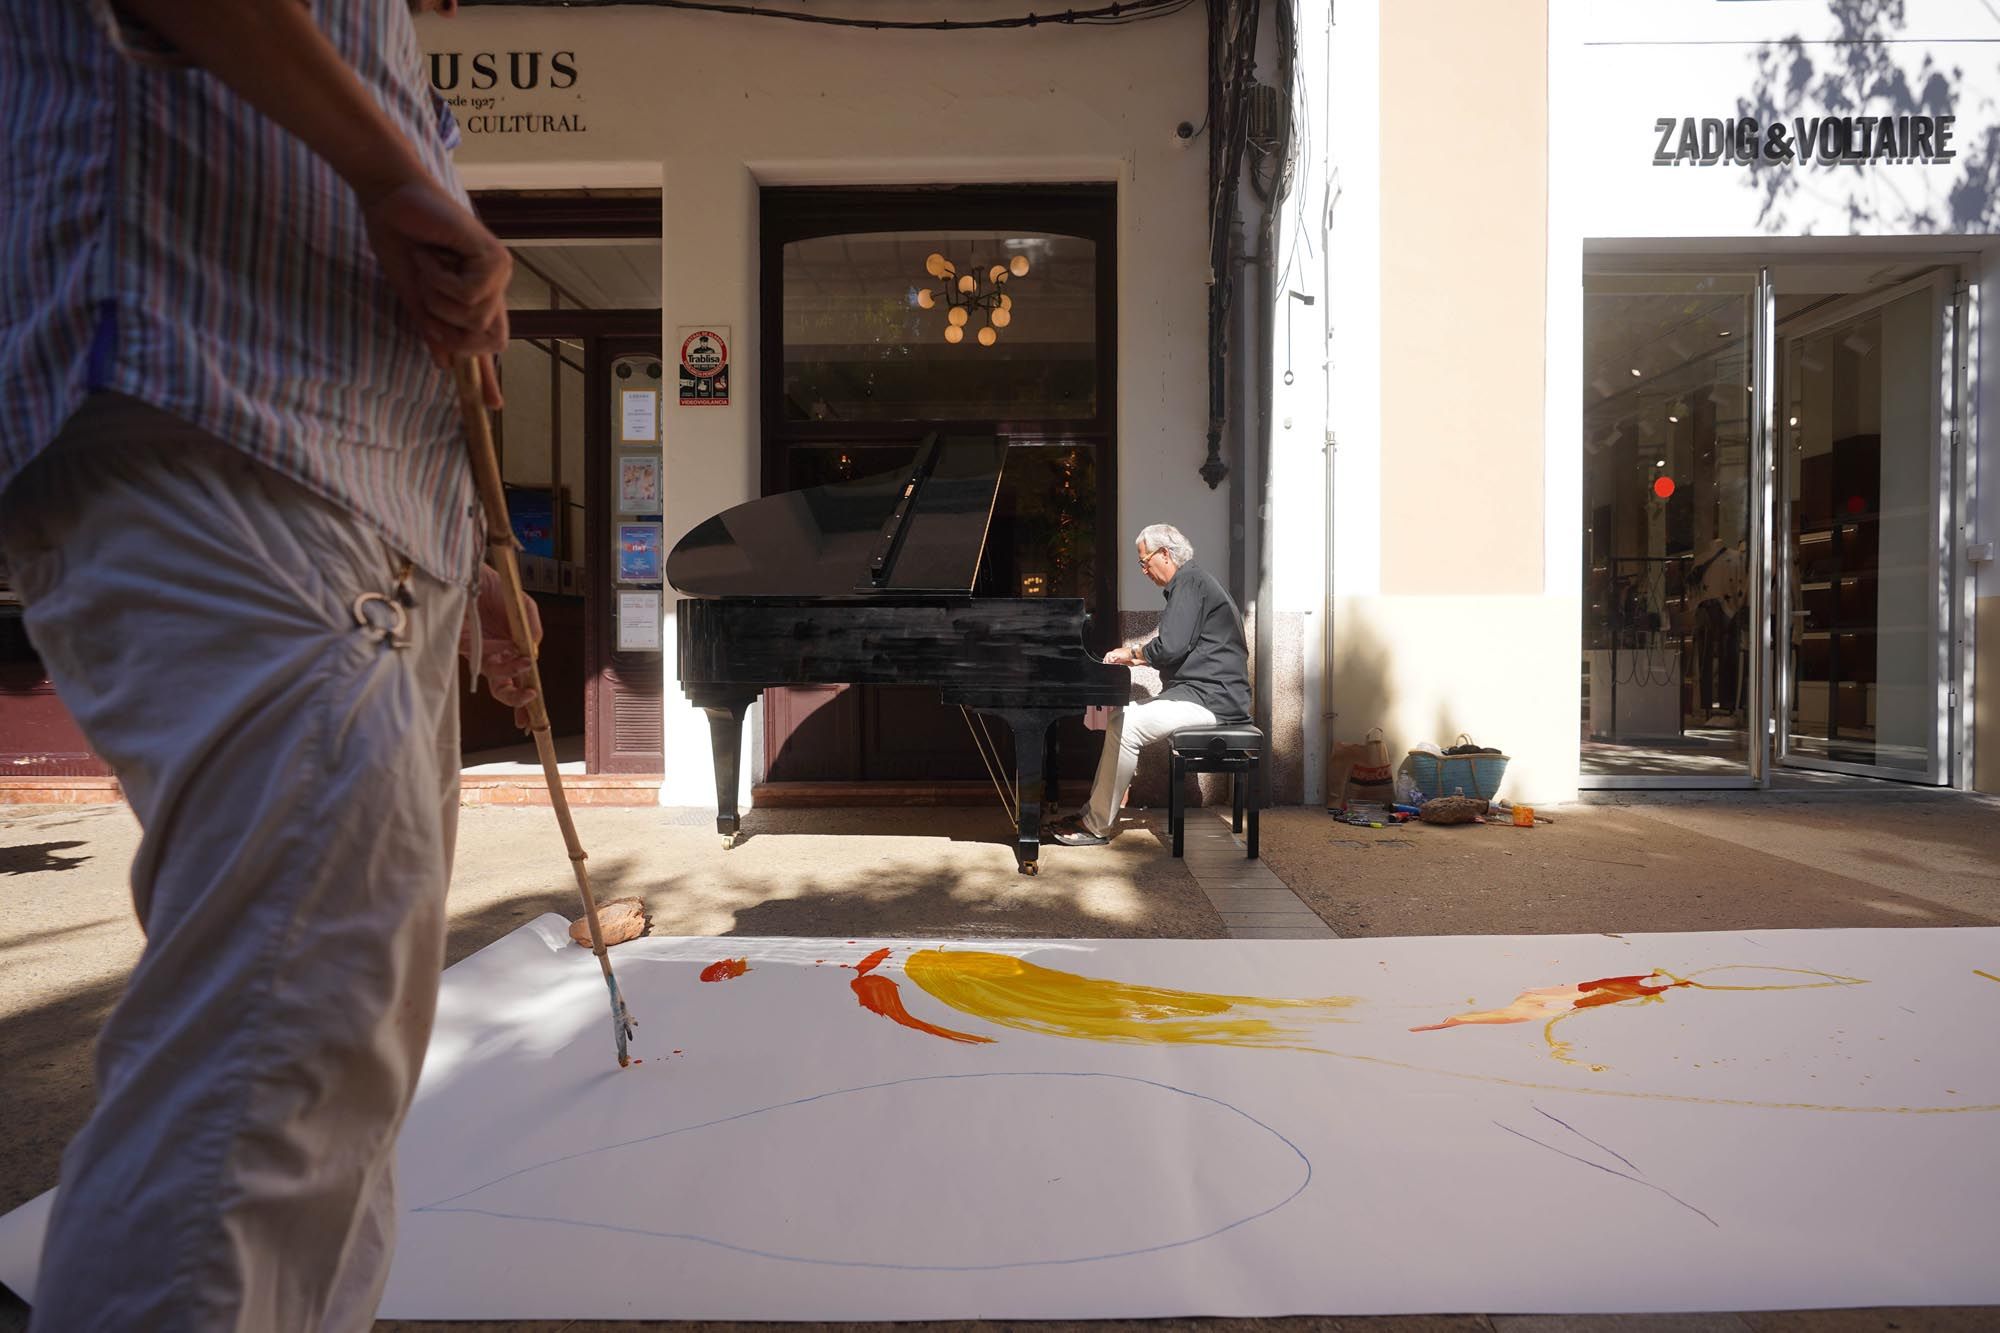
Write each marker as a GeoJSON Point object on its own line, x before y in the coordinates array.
{"type": "Point", "coordinates": [1672, 445]}
{"type": "Point", "coordinates": [579, 443]}
{"type": "Point", "coordinates": [1770, 454]}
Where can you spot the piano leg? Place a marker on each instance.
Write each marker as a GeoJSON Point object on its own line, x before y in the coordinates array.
{"type": "Point", "coordinates": [1051, 765]}
{"type": "Point", "coordinates": [1031, 729]}
{"type": "Point", "coordinates": [725, 739]}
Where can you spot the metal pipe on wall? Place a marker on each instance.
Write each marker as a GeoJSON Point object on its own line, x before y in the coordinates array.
{"type": "Point", "coordinates": [1263, 683]}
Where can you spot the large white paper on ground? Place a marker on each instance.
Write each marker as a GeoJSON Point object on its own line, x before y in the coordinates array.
{"type": "Point", "coordinates": [1768, 1120]}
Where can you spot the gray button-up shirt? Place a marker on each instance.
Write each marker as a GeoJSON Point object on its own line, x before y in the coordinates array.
{"type": "Point", "coordinates": [1200, 651]}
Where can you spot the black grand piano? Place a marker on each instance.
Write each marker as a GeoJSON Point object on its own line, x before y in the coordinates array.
{"type": "Point", "coordinates": [871, 582]}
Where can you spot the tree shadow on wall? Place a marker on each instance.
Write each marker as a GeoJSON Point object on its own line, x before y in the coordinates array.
{"type": "Point", "coordinates": [1864, 69]}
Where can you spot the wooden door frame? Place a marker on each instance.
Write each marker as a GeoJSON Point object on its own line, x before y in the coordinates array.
{"type": "Point", "coordinates": [605, 335]}
{"type": "Point", "coordinates": [1086, 211]}
{"type": "Point", "coordinates": [601, 350]}
{"type": "Point", "coordinates": [586, 215]}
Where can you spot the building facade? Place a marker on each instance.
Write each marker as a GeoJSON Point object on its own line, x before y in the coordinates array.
{"type": "Point", "coordinates": [1658, 409]}
{"type": "Point", "coordinates": [1605, 386]}
{"type": "Point", "coordinates": [805, 174]}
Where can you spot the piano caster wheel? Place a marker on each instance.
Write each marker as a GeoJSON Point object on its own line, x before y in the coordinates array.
{"type": "Point", "coordinates": [1031, 867]}
{"type": "Point", "coordinates": [728, 841]}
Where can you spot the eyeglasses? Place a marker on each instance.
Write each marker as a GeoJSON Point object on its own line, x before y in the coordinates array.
{"type": "Point", "coordinates": [1146, 560]}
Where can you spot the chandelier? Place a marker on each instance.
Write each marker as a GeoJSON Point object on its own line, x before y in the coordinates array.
{"type": "Point", "coordinates": [963, 293]}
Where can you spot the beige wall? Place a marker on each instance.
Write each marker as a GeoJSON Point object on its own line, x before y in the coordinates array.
{"type": "Point", "coordinates": [1503, 670]}
{"type": "Point", "coordinates": [1462, 634]}
{"type": "Point", "coordinates": [1464, 254]}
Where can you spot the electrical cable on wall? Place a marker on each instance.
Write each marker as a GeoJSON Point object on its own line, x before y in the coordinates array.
{"type": "Point", "coordinates": [1136, 11]}
{"type": "Point", "coordinates": [1232, 41]}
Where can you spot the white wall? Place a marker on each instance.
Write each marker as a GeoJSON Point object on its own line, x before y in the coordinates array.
{"type": "Point", "coordinates": [711, 108]}
{"type": "Point", "coordinates": [1780, 59]}
{"type": "Point", "coordinates": [1300, 410]}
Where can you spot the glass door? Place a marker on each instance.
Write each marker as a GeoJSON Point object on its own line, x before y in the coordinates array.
{"type": "Point", "coordinates": [1675, 504]}
{"type": "Point", "coordinates": [1865, 455]}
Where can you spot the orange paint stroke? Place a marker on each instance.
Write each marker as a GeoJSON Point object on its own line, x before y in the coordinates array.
{"type": "Point", "coordinates": [880, 995]}
{"type": "Point", "coordinates": [1552, 1004]}
{"type": "Point", "coordinates": [726, 970]}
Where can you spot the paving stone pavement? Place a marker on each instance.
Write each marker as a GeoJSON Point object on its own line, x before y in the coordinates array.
{"type": "Point", "coordinates": [1253, 903]}
{"type": "Point", "coordinates": [67, 937]}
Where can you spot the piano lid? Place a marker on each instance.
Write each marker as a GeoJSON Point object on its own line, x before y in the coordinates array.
{"type": "Point", "coordinates": [921, 529]}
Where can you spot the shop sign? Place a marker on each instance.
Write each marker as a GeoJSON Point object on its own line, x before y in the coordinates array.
{"type": "Point", "coordinates": [1821, 140]}
{"type": "Point", "coordinates": [479, 85]}
{"type": "Point", "coordinates": [704, 366]}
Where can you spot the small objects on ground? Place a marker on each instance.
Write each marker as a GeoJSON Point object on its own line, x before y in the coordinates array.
{"type": "Point", "coordinates": [1453, 810]}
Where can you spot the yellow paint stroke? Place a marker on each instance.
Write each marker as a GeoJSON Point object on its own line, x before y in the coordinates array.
{"type": "Point", "coordinates": [1556, 1003]}
{"type": "Point", "coordinates": [1988, 975]}
{"type": "Point", "coordinates": [1018, 994]}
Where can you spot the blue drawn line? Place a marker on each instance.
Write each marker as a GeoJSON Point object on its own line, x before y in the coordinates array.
{"type": "Point", "coordinates": [443, 1205]}
{"type": "Point", "coordinates": [1598, 1166]}
{"type": "Point", "coordinates": [1587, 1139]}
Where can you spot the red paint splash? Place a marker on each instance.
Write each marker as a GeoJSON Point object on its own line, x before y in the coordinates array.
{"type": "Point", "coordinates": [880, 995]}
{"type": "Point", "coordinates": [725, 970]}
{"type": "Point", "coordinates": [1548, 1003]}
{"type": "Point", "coordinates": [1610, 990]}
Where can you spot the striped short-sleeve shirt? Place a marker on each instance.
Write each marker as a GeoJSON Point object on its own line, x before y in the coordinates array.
{"type": "Point", "coordinates": [161, 239]}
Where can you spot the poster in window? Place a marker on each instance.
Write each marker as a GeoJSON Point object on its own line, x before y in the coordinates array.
{"type": "Point", "coordinates": [704, 365]}
{"type": "Point", "coordinates": [638, 553]}
{"type": "Point", "coordinates": [638, 483]}
{"type": "Point", "coordinates": [640, 415]}
{"type": "Point", "coordinates": [532, 512]}
{"type": "Point", "coordinates": [639, 622]}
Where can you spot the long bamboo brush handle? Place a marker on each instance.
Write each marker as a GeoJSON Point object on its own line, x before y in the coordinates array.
{"type": "Point", "coordinates": [500, 548]}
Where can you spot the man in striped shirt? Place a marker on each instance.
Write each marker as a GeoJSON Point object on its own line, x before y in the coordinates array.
{"type": "Point", "coordinates": [235, 265]}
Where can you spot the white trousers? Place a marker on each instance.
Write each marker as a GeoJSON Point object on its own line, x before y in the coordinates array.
{"type": "Point", "coordinates": [1130, 730]}
{"type": "Point", "coordinates": [296, 779]}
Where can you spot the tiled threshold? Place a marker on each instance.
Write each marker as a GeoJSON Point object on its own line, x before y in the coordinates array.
{"type": "Point", "coordinates": [529, 788]}
{"type": "Point", "coordinates": [1254, 903]}
{"type": "Point", "coordinates": [475, 789]}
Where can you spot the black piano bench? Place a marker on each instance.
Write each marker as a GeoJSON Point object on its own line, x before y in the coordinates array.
{"type": "Point", "coordinates": [1237, 750]}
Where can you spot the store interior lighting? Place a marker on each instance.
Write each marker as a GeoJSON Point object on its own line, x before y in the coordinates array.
{"type": "Point", "coordinates": [963, 293]}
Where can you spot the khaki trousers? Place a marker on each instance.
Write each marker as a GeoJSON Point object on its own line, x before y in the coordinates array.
{"type": "Point", "coordinates": [296, 779]}
{"type": "Point", "coordinates": [1130, 730]}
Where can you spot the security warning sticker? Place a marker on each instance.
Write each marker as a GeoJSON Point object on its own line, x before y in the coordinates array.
{"type": "Point", "coordinates": [704, 366]}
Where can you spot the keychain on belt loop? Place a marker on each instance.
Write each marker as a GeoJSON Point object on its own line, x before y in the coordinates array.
{"type": "Point", "coordinates": [388, 614]}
